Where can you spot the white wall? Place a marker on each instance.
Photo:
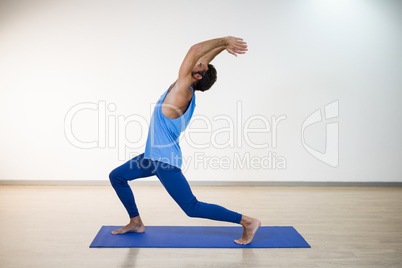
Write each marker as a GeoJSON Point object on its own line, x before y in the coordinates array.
{"type": "Point", "coordinates": [302, 55]}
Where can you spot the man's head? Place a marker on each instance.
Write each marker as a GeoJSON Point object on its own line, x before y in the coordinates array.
{"type": "Point", "coordinates": [204, 76]}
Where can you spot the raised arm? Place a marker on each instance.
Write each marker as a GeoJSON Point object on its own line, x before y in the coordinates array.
{"type": "Point", "coordinates": [194, 65]}
{"type": "Point", "coordinates": [208, 49]}
{"type": "Point", "coordinates": [211, 55]}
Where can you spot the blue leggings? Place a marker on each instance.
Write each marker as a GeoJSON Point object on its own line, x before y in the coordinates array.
{"type": "Point", "coordinates": [174, 182]}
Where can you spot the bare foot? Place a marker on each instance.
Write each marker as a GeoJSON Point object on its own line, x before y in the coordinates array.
{"type": "Point", "coordinates": [250, 226]}
{"type": "Point", "coordinates": [135, 226]}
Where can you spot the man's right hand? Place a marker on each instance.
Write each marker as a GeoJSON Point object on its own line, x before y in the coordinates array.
{"type": "Point", "coordinates": [235, 45]}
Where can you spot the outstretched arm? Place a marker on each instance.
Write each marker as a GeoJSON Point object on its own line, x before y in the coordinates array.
{"type": "Point", "coordinates": [208, 49]}
{"type": "Point", "coordinates": [211, 55]}
{"type": "Point", "coordinates": [216, 51]}
{"type": "Point", "coordinates": [179, 96]}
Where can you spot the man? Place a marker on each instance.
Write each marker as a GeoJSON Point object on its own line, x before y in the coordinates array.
{"type": "Point", "coordinates": [162, 155]}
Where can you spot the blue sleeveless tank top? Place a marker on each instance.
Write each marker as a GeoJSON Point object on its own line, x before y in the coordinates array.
{"type": "Point", "coordinates": [163, 134]}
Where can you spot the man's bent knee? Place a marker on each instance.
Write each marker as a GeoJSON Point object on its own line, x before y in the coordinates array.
{"type": "Point", "coordinates": [115, 179]}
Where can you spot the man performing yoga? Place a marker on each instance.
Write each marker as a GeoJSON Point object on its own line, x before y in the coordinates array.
{"type": "Point", "coordinates": [163, 156]}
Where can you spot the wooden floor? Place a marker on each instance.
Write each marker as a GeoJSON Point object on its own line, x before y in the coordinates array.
{"type": "Point", "coordinates": [346, 227]}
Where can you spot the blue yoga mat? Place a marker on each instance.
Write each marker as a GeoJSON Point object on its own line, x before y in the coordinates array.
{"type": "Point", "coordinates": [199, 237]}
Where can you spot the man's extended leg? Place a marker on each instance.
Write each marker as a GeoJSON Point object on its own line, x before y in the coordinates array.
{"type": "Point", "coordinates": [177, 186]}
{"type": "Point", "coordinates": [138, 167]}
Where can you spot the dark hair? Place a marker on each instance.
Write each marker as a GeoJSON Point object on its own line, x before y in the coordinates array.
{"type": "Point", "coordinates": [207, 80]}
